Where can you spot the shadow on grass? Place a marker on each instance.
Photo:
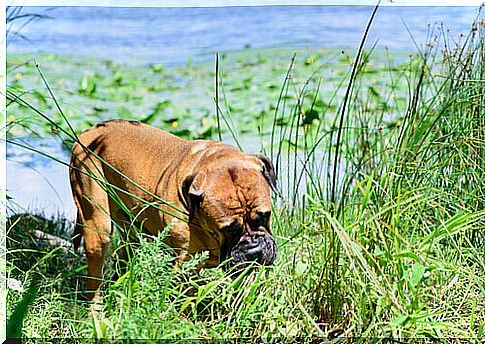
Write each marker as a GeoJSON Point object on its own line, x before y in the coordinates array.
{"type": "Point", "coordinates": [40, 247]}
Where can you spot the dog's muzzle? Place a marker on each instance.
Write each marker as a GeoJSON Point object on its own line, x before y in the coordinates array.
{"type": "Point", "coordinates": [261, 249]}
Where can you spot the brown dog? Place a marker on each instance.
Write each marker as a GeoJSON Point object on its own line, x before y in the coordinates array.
{"type": "Point", "coordinates": [216, 198]}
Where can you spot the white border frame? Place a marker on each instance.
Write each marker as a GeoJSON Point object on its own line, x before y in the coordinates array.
{"type": "Point", "coordinates": [141, 3]}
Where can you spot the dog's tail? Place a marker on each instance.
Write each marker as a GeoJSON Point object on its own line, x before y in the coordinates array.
{"type": "Point", "coordinates": [77, 235]}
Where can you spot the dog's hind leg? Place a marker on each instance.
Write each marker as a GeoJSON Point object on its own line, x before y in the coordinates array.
{"type": "Point", "coordinates": [93, 218]}
{"type": "Point", "coordinates": [97, 238]}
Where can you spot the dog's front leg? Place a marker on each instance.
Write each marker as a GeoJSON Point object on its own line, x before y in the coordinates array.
{"type": "Point", "coordinates": [179, 240]}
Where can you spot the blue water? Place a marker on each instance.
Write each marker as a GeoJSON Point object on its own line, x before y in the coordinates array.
{"type": "Point", "coordinates": [174, 35]}
{"type": "Point", "coordinates": [37, 183]}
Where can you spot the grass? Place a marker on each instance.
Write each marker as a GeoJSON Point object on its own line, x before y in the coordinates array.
{"type": "Point", "coordinates": [388, 244]}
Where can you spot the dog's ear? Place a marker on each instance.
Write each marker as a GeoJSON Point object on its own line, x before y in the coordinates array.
{"type": "Point", "coordinates": [268, 172]}
{"type": "Point", "coordinates": [192, 192]}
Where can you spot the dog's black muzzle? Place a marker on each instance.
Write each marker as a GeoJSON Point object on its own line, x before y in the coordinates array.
{"type": "Point", "coordinates": [261, 249]}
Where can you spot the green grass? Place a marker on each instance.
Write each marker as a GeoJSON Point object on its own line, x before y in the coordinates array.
{"type": "Point", "coordinates": [390, 243]}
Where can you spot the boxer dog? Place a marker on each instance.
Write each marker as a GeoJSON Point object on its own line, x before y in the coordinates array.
{"type": "Point", "coordinates": [211, 196]}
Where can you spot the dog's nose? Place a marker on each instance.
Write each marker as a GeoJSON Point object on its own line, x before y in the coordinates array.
{"type": "Point", "coordinates": [254, 253]}
{"type": "Point", "coordinates": [247, 242]}
{"type": "Point", "coordinates": [251, 248]}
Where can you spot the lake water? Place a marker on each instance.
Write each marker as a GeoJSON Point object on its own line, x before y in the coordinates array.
{"type": "Point", "coordinates": [39, 184]}
{"type": "Point", "coordinates": [174, 35]}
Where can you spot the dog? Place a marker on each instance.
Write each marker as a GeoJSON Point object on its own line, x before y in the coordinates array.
{"type": "Point", "coordinates": [210, 196]}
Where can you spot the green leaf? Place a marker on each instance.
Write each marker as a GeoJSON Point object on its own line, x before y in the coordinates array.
{"type": "Point", "coordinates": [417, 274]}
{"type": "Point", "coordinates": [158, 68]}
{"type": "Point", "coordinates": [161, 106]}
{"type": "Point", "coordinates": [40, 97]}
{"type": "Point", "coordinates": [301, 268]}
{"type": "Point", "coordinates": [407, 255]}
{"type": "Point", "coordinates": [400, 320]}
{"type": "Point", "coordinates": [481, 331]}
{"type": "Point", "coordinates": [87, 85]}
{"type": "Point", "coordinates": [309, 116]}
{"type": "Point", "coordinates": [206, 132]}
{"type": "Point", "coordinates": [149, 119]}
{"type": "Point", "coordinates": [14, 324]}
{"type": "Point", "coordinates": [117, 78]}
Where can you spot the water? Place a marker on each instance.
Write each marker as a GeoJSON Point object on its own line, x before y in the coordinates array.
{"type": "Point", "coordinates": [37, 183]}
{"type": "Point", "coordinates": [174, 35]}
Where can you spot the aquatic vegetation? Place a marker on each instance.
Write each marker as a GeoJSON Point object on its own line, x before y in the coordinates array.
{"type": "Point", "coordinates": [176, 100]}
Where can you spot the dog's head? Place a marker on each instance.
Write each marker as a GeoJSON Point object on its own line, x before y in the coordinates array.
{"type": "Point", "coordinates": [231, 202]}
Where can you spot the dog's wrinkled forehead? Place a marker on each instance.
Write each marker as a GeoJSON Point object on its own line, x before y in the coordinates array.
{"type": "Point", "coordinates": [234, 190]}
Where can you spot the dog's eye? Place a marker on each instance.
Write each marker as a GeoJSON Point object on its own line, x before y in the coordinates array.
{"type": "Point", "coordinates": [233, 229]}
{"type": "Point", "coordinates": [261, 219]}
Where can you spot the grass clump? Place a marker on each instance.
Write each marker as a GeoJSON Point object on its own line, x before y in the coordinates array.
{"type": "Point", "coordinates": [406, 231]}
